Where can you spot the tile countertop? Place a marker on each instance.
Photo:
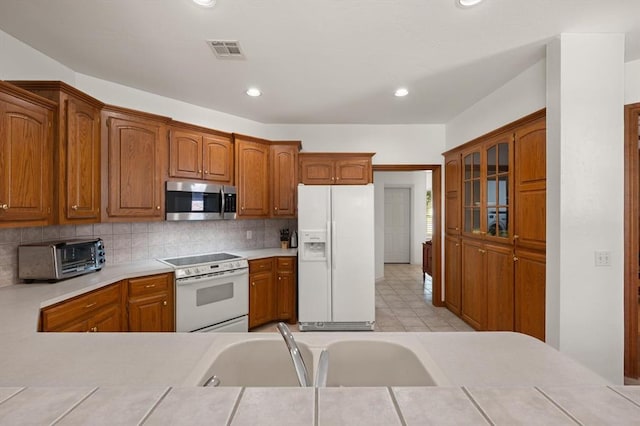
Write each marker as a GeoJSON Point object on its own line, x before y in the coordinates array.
{"type": "Point", "coordinates": [81, 377]}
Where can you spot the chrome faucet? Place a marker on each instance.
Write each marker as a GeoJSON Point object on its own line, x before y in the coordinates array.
{"type": "Point", "coordinates": [296, 355]}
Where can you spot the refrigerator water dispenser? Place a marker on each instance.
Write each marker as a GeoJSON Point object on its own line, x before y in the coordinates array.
{"type": "Point", "coordinates": [314, 245]}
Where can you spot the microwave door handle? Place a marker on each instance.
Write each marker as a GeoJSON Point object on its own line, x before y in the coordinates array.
{"type": "Point", "coordinates": [222, 202]}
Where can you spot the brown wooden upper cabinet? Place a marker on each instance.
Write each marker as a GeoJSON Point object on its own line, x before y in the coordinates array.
{"type": "Point", "coordinates": [284, 178]}
{"type": "Point", "coordinates": [199, 153]}
{"type": "Point", "coordinates": [252, 176]}
{"type": "Point", "coordinates": [26, 158]}
{"type": "Point", "coordinates": [136, 159]}
{"type": "Point", "coordinates": [335, 168]}
{"type": "Point", "coordinates": [77, 143]}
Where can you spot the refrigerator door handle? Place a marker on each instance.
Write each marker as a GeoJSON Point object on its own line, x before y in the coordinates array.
{"type": "Point", "coordinates": [329, 247]}
{"type": "Point", "coordinates": [334, 255]}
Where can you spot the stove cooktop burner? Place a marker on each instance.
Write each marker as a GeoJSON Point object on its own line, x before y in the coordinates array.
{"type": "Point", "coordinates": [203, 258]}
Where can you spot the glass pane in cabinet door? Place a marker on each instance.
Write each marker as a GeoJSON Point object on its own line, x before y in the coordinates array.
{"type": "Point", "coordinates": [476, 164]}
{"type": "Point", "coordinates": [467, 166]}
{"type": "Point", "coordinates": [491, 161]}
{"type": "Point", "coordinates": [503, 222]}
{"type": "Point", "coordinates": [503, 190]}
{"type": "Point", "coordinates": [503, 157]}
{"type": "Point", "coordinates": [467, 220]}
{"type": "Point", "coordinates": [476, 192]}
{"type": "Point", "coordinates": [476, 220]}
{"type": "Point", "coordinates": [492, 216]}
{"type": "Point", "coordinates": [492, 193]}
{"type": "Point", "coordinates": [467, 193]}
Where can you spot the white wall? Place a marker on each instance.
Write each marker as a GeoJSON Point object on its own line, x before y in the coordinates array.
{"type": "Point", "coordinates": [520, 96]}
{"type": "Point", "coordinates": [417, 182]}
{"type": "Point", "coordinates": [585, 182]}
{"type": "Point", "coordinates": [393, 144]}
{"type": "Point", "coordinates": [632, 82]}
{"type": "Point", "coordinates": [119, 95]}
{"type": "Point", "coordinates": [18, 61]}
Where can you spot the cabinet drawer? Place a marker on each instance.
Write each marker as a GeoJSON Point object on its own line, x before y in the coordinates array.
{"type": "Point", "coordinates": [286, 263]}
{"type": "Point", "coordinates": [87, 304]}
{"type": "Point", "coordinates": [150, 284]}
{"type": "Point", "coordinates": [260, 265]}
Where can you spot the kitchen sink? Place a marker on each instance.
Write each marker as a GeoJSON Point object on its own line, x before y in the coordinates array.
{"type": "Point", "coordinates": [375, 363]}
{"type": "Point", "coordinates": [257, 363]}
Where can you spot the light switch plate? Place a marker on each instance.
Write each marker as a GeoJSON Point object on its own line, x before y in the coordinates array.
{"type": "Point", "coordinates": [249, 235]}
{"type": "Point", "coordinates": [603, 258]}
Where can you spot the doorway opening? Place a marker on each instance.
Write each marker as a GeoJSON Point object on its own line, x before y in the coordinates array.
{"type": "Point", "coordinates": [410, 195]}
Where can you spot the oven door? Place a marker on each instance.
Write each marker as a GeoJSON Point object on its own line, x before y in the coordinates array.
{"type": "Point", "coordinates": [210, 299]}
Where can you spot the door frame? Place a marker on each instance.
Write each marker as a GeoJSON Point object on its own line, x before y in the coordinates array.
{"type": "Point", "coordinates": [631, 238]}
{"type": "Point", "coordinates": [436, 183]}
{"type": "Point", "coordinates": [411, 214]}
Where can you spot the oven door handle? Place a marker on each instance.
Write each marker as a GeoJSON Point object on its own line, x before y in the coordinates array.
{"type": "Point", "coordinates": [212, 276]}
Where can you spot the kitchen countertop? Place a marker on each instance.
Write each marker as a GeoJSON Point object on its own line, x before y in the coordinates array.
{"type": "Point", "coordinates": [134, 376]}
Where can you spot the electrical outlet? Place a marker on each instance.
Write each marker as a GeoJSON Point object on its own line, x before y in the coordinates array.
{"type": "Point", "coordinates": [249, 235]}
{"type": "Point", "coordinates": [603, 258]}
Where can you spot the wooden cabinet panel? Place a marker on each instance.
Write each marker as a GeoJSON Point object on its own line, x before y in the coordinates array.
{"type": "Point", "coordinates": [94, 309]}
{"type": "Point", "coordinates": [261, 298]}
{"type": "Point", "coordinates": [185, 154]}
{"type": "Point", "coordinates": [336, 168]}
{"type": "Point", "coordinates": [81, 167]}
{"type": "Point", "coordinates": [217, 158]}
{"type": "Point", "coordinates": [530, 293]}
{"type": "Point", "coordinates": [136, 159]}
{"type": "Point", "coordinates": [354, 171]}
{"type": "Point", "coordinates": [452, 194]}
{"type": "Point", "coordinates": [252, 177]}
{"type": "Point", "coordinates": [199, 153]}
{"type": "Point", "coordinates": [316, 170]}
{"type": "Point", "coordinates": [286, 289]}
{"type": "Point", "coordinates": [151, 306]}
{"type": "Point", "coordinates": [452, 278]}
{"type": "Point", "coordinates": [284, 180]}
{"type": "Point", "coordinates": [531, 185]}
{"type": "Point", "coordinates": [499, 282]}
{"type": "Point", "coordinates": [77, 145]}
{"type": "Point", "coordinates": [474, 292]}
{"type": "Point", "coordinates": [150, 313]}
{"type": "Point", "coordinates": [26, 159]}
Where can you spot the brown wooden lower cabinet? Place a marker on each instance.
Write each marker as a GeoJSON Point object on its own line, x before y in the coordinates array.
{"type": "Point", "coordinates": [474, 291]}
{"type": "Point", "coordinates": [138, 304]}
{"type": "Point", "coordinates": [530, 293]}
{"type": "Point", "coordinates": [150, 304]}
{"type": "Point", "coordinates": [272, 290]}
{"type": "Point", "coordinates": [99, 310]}
{"type": "Point", "coordinates": [452, 279]}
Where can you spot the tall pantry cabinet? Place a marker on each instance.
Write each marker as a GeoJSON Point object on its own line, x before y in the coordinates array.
{"type": "Point", "coordinates": [495, 190]}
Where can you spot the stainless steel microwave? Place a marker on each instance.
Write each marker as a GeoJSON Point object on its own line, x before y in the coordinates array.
{"type": "Point", "coordinates": [56, 260]}
{"type": "Point", "coordinates": [199, 201]}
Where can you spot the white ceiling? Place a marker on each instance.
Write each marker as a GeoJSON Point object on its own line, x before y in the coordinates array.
{"type": "Point", "coordinates": [316, 61]}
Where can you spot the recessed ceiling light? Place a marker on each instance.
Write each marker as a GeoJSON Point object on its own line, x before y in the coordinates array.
{"type": "Point", "coordinates": [468, 3]}
{"type": "Point", "coordinates": [253, 92]}
{"type": "Point", "coordinates": [205, 3]}
{"type": "Point", "coordinates": [401, 92]}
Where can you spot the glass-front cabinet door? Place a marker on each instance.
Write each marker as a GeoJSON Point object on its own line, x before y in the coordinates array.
{"type": "Point", "coordinates": [498, 191]}
{"type": "Point", "coordinates": [472, 196]}
{"type": "Point", "coordinates": [486, 189]}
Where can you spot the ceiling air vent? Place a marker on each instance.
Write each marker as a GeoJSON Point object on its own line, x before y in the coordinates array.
{"type": "Point", "coordinates": [226, 49]}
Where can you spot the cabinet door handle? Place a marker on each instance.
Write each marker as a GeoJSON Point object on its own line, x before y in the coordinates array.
{"type": "Point", "coordinates": [337, 178]}
{"type": "Point", "coordinates": [4, 207]}
{"type": "Point", "coordinates": [94, 329]}
{"type": "Point", "coordinates": [275, 208]}
{"type": "Point", "coordinates": [482, 251]}
{"type": "Point", "coordinates": [150, 286]}
{"type": "Point", "coordinates": [279, 278]}
{"type": "Point", "coordinates": [206, 172]}
{"type": "Point", "coordinates": [74, 207]}
{"type": "Point", "coordinates": [515, 258]}
{"type": "Point", "coordinates": [200, 171]}
{"type": "Point", "coordinates": [157, 207]}
{"type": "Point", "coordinates": [90, 305]}
{"type": "Point", "coordinates": [253, 284]}
{"type": "Point", "coordinates": [164, 303]}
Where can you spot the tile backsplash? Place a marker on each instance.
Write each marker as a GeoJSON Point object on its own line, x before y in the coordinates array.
{"type": "Point", "coordinates": [130, 242]}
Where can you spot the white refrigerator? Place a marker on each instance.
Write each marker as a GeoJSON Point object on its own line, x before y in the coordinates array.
{"type": "Point", "coordinates": [336, 272]}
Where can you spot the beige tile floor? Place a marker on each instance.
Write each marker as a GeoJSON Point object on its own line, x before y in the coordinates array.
{"type": "Point", "coordinates": [403, 303]}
